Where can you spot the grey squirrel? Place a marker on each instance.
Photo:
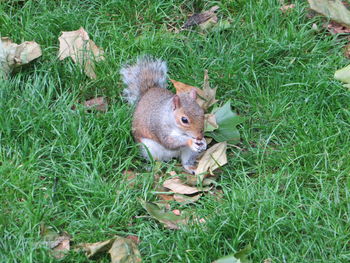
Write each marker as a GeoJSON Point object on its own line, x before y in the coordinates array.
{"type": "Point", "coordinates": [165, 124]}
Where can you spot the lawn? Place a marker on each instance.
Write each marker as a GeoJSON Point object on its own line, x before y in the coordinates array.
{"type": "Point", "coordinates": [286, 187]}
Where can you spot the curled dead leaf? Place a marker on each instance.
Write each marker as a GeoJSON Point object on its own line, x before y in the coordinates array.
{"type": "Point", "coordinates": [91, 249]}
{"type": "Point", "coordinates": [212, 159]}
{"type": "Point", "coordinates": [124, 250]}
{"type": "Point", "coordinates": [83, 51]}
{"type": "Point", "coordinates": [13, 55]}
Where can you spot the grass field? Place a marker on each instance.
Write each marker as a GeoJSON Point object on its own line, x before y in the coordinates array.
{"type": "Point", "coordinates": [286, 186]}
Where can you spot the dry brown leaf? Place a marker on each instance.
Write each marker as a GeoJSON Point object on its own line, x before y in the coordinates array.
{"type": "Point", "coordinates": [286, 8]}
{"type": "Point", "coordinates": [92, 249]}
{"type": "Point", "coordinates": [334, 10]}
{"type": "Point", "coordinates": [347, 51]}
{"type": "Point", "coordinates": [83, 51]}
{"type": "Point", "coordinates": [13, 55]}
{"type": "Point", "coordinates": [268, 260]}
{"type": "Point", "coordinates": [166, 197]}
{"type": "Point", "coordinates": [99, 104]}
{"type": "Point", "coordinates": [336, 28]}
{"type": "Point", "coordinates": [212, 159]}
{"type": "Point", "coordinates": [207, 98]}
{"type": "Point", "coordinates": [124, 250]}
{"type": "Point", "coordinates": [203, 19]}
{"type": "Point", "coordinates": [177, 186]}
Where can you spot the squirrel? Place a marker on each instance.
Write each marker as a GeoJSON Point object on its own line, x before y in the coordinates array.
{"type": "Point", "coordinates": [166, 125]}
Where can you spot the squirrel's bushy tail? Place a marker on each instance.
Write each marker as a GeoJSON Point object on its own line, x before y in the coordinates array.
{"type": "Point", "coordinates": [147, 73]}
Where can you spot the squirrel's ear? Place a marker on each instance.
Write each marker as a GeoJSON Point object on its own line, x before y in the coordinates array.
{"type": "Point", "coordinates": [176, 102]}
{"type": "Point", "coordinates": [193, 94]}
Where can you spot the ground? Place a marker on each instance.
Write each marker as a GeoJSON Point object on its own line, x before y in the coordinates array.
{"type": "Point", "coordinates": [285, 187]}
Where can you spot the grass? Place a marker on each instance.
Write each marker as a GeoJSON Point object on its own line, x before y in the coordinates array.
{"type": "Point", "coordinates": [286, 188]}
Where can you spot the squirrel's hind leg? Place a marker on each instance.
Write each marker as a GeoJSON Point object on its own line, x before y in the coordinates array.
{"type": "Point", "coordinates": [157, 151]}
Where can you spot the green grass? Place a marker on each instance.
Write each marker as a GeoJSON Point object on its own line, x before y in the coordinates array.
{"type": "Point", "coordinates": [286, 188]}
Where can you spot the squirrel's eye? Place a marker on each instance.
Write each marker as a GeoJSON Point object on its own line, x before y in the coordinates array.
{"type": "Point", "coordinates": [184, 120]}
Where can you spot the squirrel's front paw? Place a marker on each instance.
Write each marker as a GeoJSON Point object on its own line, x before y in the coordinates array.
{"type": "Point", "coordinates": [197, 145]}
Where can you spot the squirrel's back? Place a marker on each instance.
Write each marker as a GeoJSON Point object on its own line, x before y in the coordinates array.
{"type": "Point", "coordinates": [147, 73]}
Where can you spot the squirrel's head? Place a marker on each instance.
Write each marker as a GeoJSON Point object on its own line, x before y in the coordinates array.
{"type": "Point", "coordinates": [189, 116]}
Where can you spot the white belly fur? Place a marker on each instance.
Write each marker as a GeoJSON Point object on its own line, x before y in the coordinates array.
{"type": "Point", "coordinates": [157, 151]}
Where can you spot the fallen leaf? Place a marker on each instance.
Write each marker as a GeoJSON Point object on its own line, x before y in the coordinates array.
{"type": "Point", "coordinates": [91, 249]}
{"type": "Point", "coordinates": [121, 250]}
{"type": "Point", "coordinates": [347, 51]}
{"type": "Point", "coordinates": [227, 121]}
{"type": "Point", "coordinates": [333, 10]}
{"type": "Point", "coordinates": [286, 8]}
{"type": "Point", "coordinates": [124, 250]}
{"type": "Point", "coordinates": [210, 122]}
{"type": "Point", "coordinates": [177, 186]}
{"type": "Point", "coordinates": [169, 219]}
{"type": "Point", "coordinates": [58, 243]}
{"type": "Point", "coordinates": [166, 197]}
{"type": "Point", "coordinates": [203, 19]}
{"type": "Point", "coordinates": [13, 55]}
{"type": "Point", "coordinates": [239, 257]}
{"type": "Point", "coordinates": [83, 51]}
{"type": "Point", "coordinates": [212, 159]}
{"type": "Point", "coordinates": [207, 96]}
{"type": "Point", "coordinates": [185, 199]}
{"type": "Point", "coordinates": [336, 28]}
{"type": "Point", "coordinates": [268, 260]}
{"type": "Point", "coordinates": [99, 104]}
{"type": "Point", "coordinates": [343, 75]}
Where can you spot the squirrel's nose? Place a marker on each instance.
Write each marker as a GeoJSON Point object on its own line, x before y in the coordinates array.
{"type": "Point", "coordinates": [200, 137]}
